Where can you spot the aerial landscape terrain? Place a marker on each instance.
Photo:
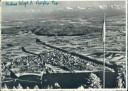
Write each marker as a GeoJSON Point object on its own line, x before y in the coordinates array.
{"type": "Point", "coordinates": [62, 46]}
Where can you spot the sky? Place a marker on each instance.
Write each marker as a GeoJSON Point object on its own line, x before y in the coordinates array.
{"type": "Point", "coordinates": [69, 6]}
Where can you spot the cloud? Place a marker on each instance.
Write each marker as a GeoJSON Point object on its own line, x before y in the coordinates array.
{"type": "Point", "coordinates": [101, 7]}
{"type": "Point", "coordinates": [69, 8]}
{"type": "Point", "coordinates": [80, 8]}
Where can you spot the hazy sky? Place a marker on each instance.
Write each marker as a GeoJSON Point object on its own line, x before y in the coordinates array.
{"type": "Point", "coordinates": [31, 10]}
{"type": "Point", "coordinates": [70, 5]}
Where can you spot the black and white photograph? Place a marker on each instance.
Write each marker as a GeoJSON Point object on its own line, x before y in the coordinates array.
{"type": "Point", "coordinates": [63, 44]}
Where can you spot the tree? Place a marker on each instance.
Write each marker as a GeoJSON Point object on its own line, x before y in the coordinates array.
{"type": "Point", "coordinates": [94, 81]}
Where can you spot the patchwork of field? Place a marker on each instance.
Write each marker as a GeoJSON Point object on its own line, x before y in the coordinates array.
{"type": "Point", "coordinates": [74, 38]}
